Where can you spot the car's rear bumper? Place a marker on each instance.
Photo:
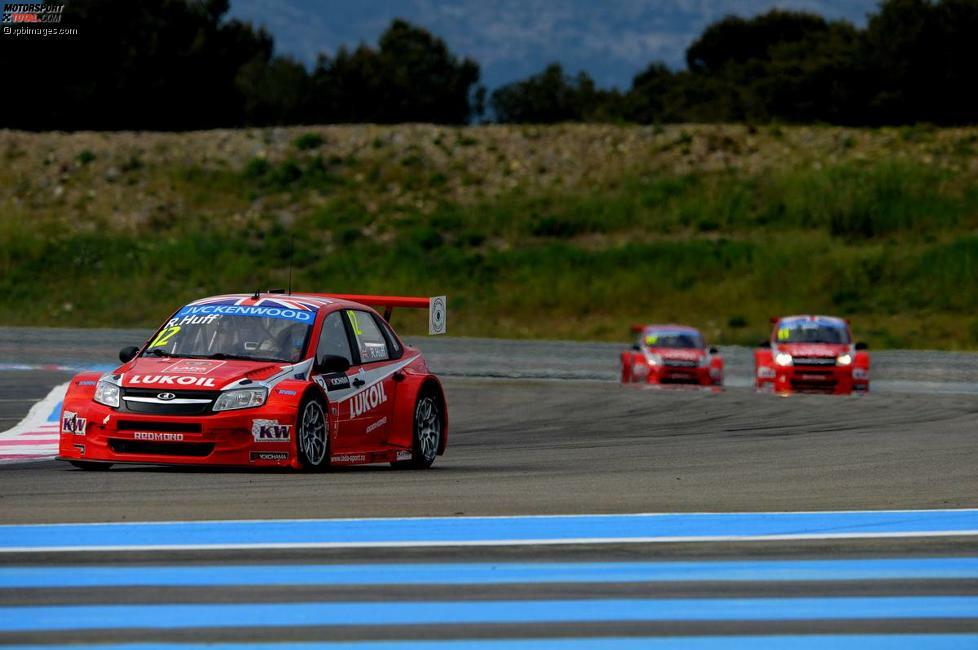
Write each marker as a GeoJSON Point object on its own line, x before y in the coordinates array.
{"type": "Point", "coordinates": [229, 438]}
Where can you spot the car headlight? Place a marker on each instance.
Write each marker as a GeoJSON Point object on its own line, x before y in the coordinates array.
{"type": "Point", "coordinates": [782, 359]}
{"type": "Point", "coordinates": [654, 359]}
{"type": "Point", "coordinates": [107, 393]}
{"type": "Point", "coordinates": [843, 359]}
{"type": "Point", "coordinates": [241, 399]}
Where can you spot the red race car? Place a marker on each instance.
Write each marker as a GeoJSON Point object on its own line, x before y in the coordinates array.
{"type": "Point", "coordinates": [811, 353]}
{"type": "Point", "coordinates": [671, 354]}
{"type": "Point", "coordinates": [303, 381]}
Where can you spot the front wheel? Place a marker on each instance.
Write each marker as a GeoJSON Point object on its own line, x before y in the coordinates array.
{"type": "Point", "coordinates": [427, 432]}
{"type": "Point", "coordinates": [312, 435]}
{"type": "Point", "coordinates": [90, 466]}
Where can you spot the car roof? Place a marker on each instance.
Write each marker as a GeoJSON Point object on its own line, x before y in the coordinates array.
{"type": "Point", "coordinates": [829, 320]}
{"type": "Point", "coordinates": [673, 328]}
{"type": "Point", "coordinates": [286, 299]}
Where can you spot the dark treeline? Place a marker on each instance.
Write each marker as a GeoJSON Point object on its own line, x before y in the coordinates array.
{"type": "Point", "coordinates": [914, 62]}
{"type": "Point", "coordinates": [181, 64]}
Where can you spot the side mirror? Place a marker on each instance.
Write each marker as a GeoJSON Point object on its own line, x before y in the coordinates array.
{"type": "Point", "coordinates": [332, 363]}
{"type": "Point", "coordinates": [636, 347]}
{"type": "Point", "coordinates": [764, 344]}
{"type": "Point", "coordinates": [862, 345]}
{"type": "Point", "coordinates": [713, 350]}
{"type": "Point", "coordinates": [127, 354]}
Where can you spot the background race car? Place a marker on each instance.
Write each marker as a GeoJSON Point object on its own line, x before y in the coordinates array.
{"type": "Point", "coordinates": [811, 353]}
{"type": "Point", "coordinates": [671, 354]}
{"type": "Point", "coordinates": [303, 381]}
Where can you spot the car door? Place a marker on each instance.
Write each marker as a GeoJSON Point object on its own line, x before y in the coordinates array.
{"type": "Point", "coordinates": [371, 405]}
{"type": "Point", "coordinates": [335, 340]}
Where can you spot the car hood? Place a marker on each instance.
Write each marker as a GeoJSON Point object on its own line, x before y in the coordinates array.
{"type": "Point", "coordinates": [813, 349]}
{"type": "Point", "coordinates": [195, 374]}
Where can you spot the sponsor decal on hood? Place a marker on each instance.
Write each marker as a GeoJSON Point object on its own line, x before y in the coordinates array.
{"type": "Point", "coordinates": [172, 380]}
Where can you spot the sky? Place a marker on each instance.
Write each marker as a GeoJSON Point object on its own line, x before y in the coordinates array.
{"type": "Point", "coordinates": [612, 40]}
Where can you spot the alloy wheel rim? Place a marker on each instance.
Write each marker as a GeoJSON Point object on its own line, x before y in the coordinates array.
{"type": "Point", "coordinates": [428, 424]}
{"type": "Point", "coordinates": [313, 433]}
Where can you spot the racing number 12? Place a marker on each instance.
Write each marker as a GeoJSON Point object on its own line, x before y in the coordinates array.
{"type": "Point", "coordinates": [164, 337]}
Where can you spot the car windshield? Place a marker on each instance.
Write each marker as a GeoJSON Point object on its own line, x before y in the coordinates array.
{"type": "Point", "coordinates": [673, 339]}
{"type": "Point", "coordinates": [265, 330]}
{"type": "Point", "coordinates": [812, 331]}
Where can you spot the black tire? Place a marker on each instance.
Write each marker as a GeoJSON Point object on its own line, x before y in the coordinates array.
{"type": "Point", "coordinates": [428, 426]}
{"type": "Point", "coordinates": [90, 466]}
{"type": "Point", "coordinates": [312, 435]}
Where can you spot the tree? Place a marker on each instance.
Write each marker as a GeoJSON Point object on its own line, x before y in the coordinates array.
{"type": "Point", "coordinates": [551, 96]}
{"type": "Point", "coordinates": [411, 77]}
{"type": "Point", "coordinates": [923, 55]}
{"type": "Point", "coordinates": [153, 64]}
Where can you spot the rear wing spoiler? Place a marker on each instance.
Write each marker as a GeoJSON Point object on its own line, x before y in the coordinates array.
{"type": "Point", "coordinates": [436, 306]}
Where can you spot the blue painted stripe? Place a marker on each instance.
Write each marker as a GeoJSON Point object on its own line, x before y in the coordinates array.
{"type": "Point", "coordinates": [490, 530]}
{"type": "Point", "coordinates": [498, 573]}
{"type": "Point", "coordinates": [55, 412]}
{"type": "Point", "coordinates": [92, 617]}
{"type": "Point", "coordinates": [797, 642]}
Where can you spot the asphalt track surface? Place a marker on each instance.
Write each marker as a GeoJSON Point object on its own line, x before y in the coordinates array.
{"type": "Point", "coordinates": [537, 429]}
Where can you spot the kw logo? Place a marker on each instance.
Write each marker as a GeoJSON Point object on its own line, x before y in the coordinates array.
{"type": "Point", "coordinates": [367, 400]}
{"type": "Point", "coordinates": [270, 431]}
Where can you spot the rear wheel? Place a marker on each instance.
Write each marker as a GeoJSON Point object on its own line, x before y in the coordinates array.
{"type": "Point", "coordinates": [312, 435]}
{"type": "Point", "coordinates": [90, 466]}
{"type": "Point", "coordinates": [427, 431]}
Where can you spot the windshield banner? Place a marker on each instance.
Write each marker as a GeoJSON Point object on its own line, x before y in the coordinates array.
{"type": "Point", "coordinates": [299, 316]}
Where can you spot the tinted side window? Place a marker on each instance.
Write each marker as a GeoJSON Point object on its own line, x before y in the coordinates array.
{"type": "Point", "coordinates": [393, 346]}
{"type": "Point", "coordinates": [370, 340]}
{"type": "Point", "coordinates": [333, 339]}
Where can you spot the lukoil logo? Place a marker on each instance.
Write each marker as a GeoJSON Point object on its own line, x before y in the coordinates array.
{"type": "Point", "coordinates": [159, 380]}
{"type": "Point", "coordinates": [367, 400]}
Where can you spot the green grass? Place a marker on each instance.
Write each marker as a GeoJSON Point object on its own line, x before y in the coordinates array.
{"type": "Point", "coordinates": [890, 244]}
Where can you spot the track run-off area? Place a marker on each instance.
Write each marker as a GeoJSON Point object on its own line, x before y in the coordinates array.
{"type": "Point", "coordinates": [567, 512]}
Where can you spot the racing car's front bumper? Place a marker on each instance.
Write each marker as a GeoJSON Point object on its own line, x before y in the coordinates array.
{"type": "Point", "coordinates": [697, 375]}
{"type": "Point", "coordinates": [838, 380]}
{"type": "Point", "coordinates": [228, 438]}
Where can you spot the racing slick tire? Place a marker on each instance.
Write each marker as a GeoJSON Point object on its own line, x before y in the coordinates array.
{"type": "Point", "coordinates": [90, 466]}
{"type": "Point", "coordinates": [428, 422]}
{"type": "Point", "coordinates": [312, 435]}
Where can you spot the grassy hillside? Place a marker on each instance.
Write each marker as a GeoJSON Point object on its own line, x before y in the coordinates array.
{"type": "Point", "coordinates": [559, 232]}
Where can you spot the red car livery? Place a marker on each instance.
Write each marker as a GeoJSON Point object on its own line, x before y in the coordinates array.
{"type": "Point", "coordinates": [671, 354]}
{"type": "Point", "coordinates": [811, 353]}
{"type": "Point", "coordinates": [301, 380]}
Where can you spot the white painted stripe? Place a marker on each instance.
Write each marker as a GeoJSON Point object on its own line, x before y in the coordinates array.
{"type": "Point", "coordinates": [34, 428]}
{"type": "Point", "coordinates": [37, 418]}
